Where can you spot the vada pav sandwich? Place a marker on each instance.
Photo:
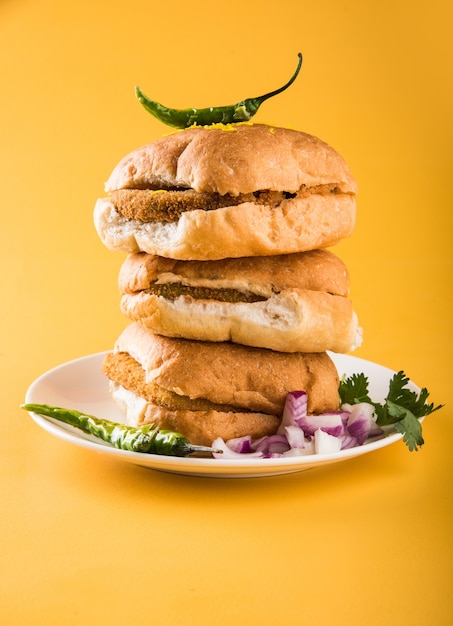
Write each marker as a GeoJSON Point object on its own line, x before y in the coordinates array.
{"type": "Point", "coordinates": [290, 303]}
{"type": "Point", "coordinates": [207, 390]}
{"type": "Point", "coordinates": [228, 191]}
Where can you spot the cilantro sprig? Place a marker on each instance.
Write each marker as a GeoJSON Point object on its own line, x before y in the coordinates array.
{"type": "Point", "coordinates": [402, 407]}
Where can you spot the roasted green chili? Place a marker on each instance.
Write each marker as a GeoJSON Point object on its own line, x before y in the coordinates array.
{"type": "Point", "coordinates": [242, 111]}
{"type": "Point", "coordinates": [147, 438]}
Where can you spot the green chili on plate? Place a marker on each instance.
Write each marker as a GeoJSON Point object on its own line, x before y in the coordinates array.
{"type": "Point", "coordinates": [147, 438]}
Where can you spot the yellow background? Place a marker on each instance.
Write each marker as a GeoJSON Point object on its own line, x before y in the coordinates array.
{"type": "Point", "coordinates": [88, 540]}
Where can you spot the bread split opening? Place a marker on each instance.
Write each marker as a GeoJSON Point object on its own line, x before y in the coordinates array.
{"type": "Point", "coordinates": [167, 205]}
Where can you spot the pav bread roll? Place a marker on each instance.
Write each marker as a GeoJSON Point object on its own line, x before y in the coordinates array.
{"type": "Point", "coordinates": [206, 390]}
{"type": "Point", "coordinates": [289, 303]}
{"type": "Point", "coordinates": [228, 191]}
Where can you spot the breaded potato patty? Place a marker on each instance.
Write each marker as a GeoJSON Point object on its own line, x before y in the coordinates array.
{"type": "Point", "coordinates": [160, 205]}
{"type": "Point", "coordinates": [171, 291]}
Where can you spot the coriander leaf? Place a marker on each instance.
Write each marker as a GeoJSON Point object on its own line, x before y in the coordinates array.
{"type": "Point", "coordinates": [409, 399]}
{"type": "Point", "coordinates": [399, 394]}
{"type": "Point", "coordinates": [397, 387]}
{"type": "Point", "coordinates": [401, 408]}
{"type": "Point", "coordinates": [411, 429]}
{"type": "Point", "coordinates": [354, 389]}
{"type": "Point", "coordinates": [420, 407]}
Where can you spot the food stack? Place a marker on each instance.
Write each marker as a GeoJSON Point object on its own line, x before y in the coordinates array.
{"type": "Point", "coordinates": [233, 297]}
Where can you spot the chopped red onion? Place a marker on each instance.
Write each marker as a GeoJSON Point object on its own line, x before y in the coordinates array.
{"type": "Point", "coordinates": [295, 436]}
{"type": "Point", "coordinates": [301, 434]}
{"type": "Point", "coordinates": [298, 452]}
{"type": "Point", "coordinates": [243, 445]}
{"type": "Point", "coordinates": [294, 410]}
{"type": "Point", "coordinates": [278, 447]}
{"type": "Point", "coordinates": [225, 452]}
{"type": "Point", "coordinates": [331, 423]}
{"type": "Point", "coordinates": [360, 421]}
{"type": "Point", "coordinates": [325, 443]}
{"type": "Point", "coordinates": [274, 444]}
{"type": "Point", "coordinates": [348, 442]}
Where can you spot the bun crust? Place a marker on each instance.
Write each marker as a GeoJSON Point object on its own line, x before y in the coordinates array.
{"type": "Point", "coordinates": [199, 427]}
{"type": "Point", "coordinates": [249, 378]}
{"type": "Point", "coordinates": [299, 312]}
{"type": "Point", "coordinates": [203, 427]}
{"type": "Point", "coordinates": [317, 270]}
{"type": "Point", "coordinates": [233, 159]}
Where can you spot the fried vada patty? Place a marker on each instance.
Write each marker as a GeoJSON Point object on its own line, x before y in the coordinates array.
{"type": "Point", "coordinates": [171, 291]}
{"type": "Point", "coordinates": [162, 205]}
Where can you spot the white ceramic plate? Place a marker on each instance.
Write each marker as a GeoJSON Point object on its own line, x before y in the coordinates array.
{"type": "Point", "coordinates": [80, 385]}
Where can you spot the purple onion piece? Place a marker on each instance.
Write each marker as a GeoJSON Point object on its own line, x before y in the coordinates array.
{"type": "Point", "coordinates": [295, 409]}
{"type": "Point", "coordinates": [348, 442]}
{"type": "Point", "coordinates": [326, 443]}
{"type": "Point", "coordinates": [331, 423]}
{"type": "Point", "coordinates": [360, 421]}
{"type": "Point", "coordinates": [227, 453]}
{"type": "Point", "coordinates": [243, 445]}
{"type": "Point", "coordinates": [295, 436]}
{"type": "Point", "coordinates": [272, 444]}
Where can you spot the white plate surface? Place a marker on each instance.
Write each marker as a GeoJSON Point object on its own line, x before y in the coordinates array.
{"type": "Point", "coordinates": [80, 385]}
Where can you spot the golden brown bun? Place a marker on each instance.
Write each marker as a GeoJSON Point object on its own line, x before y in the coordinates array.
{"type": "Point", "coordinates": [201, 427]}
{"type": "Point", "coordinates": [317, 270]}
{"type": "Point", "coordinates": [233, 160]}
{"type": "Point", "coordinates": [301, 311]}
{"type": "Point", "coordinates": [226, 373]}
{"type": "Point", "coordinates": [249, 385]}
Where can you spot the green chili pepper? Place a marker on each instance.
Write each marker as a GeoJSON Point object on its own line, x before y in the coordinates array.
{"type": "Point", "coordinates": [148, 438]}
{"type": "Point", "coordinates": [242, 111]}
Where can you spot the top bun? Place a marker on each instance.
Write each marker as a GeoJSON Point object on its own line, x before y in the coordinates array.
{"type": "Point", "coordinates": [228, 191]}
{"type": "Point", "coordinates": [233, 159]}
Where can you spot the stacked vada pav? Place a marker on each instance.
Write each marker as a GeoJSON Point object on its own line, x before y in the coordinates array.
{"type": "Point", "coordinates": [233, 297]}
